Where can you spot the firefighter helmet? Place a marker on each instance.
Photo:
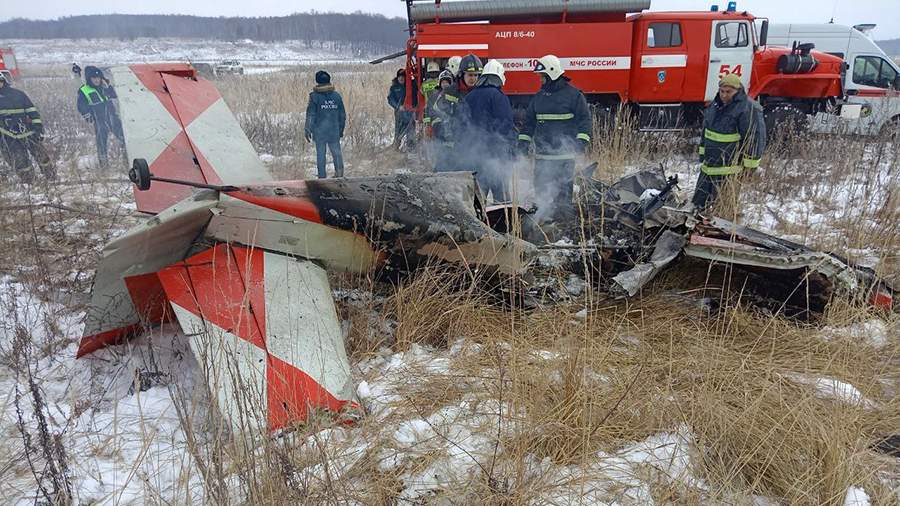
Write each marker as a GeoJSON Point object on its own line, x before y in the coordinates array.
{"type": "Point", "coordinates": [494, 68]}
{"type": "Point", "coordinates": [470, 64]}
{"type": "Point", "coordinates": [549, 65]}
{"type": "Point", "coordinates": [453, 64]}
{"type": "Point", "coordinates": [446, 75]}
{"type": "Point", "coordinates": [433, 67]}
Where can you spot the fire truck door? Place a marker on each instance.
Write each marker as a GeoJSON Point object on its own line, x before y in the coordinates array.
{"type": "Point", "coordinates": [730, 52]}
{"type": "Point", "coordinates": [660, 76]}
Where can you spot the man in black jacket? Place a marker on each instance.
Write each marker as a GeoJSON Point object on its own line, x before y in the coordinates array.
{"type": "Point", "coordinates": [21, 133]}
{"type": "Point", "coordinates": [490, 132]}
{"type": "Point", "coordinates": [95, 105]}
{"type": "Point", "coordinates": [325, 122]}
{"type": "Point", "coordinates": [404, 123]}
{"type": "Point", "coordinates": [558, 123]}
{"type": "Point", "coordinates": [733, 140]}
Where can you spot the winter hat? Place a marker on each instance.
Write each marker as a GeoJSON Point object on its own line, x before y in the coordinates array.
{"type": "Point", "coordinates": [732, 80]}
{"type": "Point", "coordinates": [323, 77]}
{"type": "Point", "coordinates": [91, 71]}
{"type": "Point", "coordinates": [401, 72]}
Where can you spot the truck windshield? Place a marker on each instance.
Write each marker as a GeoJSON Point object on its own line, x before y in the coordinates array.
{"type": "Point", "coordinates": [873, 71]}
{"type": "Point", "coordinates": [732, 34]}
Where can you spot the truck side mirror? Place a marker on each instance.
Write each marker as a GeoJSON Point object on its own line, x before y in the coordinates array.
{"type": "Point", "coordinates": [764, 32]}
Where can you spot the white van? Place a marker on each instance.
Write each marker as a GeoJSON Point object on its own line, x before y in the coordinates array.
{"type": "Point", "coordinates": [871, 82]}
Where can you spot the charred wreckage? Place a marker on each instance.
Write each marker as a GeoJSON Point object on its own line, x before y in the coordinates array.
{"type": "Point", "coordinates": [239, 260]}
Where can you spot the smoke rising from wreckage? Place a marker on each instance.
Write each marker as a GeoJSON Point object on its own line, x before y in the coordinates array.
{"type": "Point", "coordinates": [241, 264]}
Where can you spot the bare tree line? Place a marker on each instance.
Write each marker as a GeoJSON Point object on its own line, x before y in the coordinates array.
{"type": "Point", "coordinates": [367, 32]}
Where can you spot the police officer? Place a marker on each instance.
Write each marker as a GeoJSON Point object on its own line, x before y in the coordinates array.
{"type": "Point", "coordinates": [325, 122]}
{"type": "Point", "coordinates": [734, 138]}
{"type": "Point", "coordinates": [558, 123]}
{"type": "Point", "coordinates": [441, 140]}
{"type": "Point", "coordinates": [21, 133]}
{"type": "Point", "coordinates": [95, 105]}
{"type": "Point", "coordinates": [447, 111]}
{"type": "Point", "coordinates": [490, 132]}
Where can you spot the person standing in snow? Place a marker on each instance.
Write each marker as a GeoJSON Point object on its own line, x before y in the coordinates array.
{"type": "Point", "coordinates": [441, 141]}
{"type": "Point", "coordinates": [325, 122]}
{"type": "Point", "coordinates": [21, 133]}
{"type": "Point", "coordinates": [448, 118]}
{"type": "Point", "coordinates": [490, 131]}
{"type": "Point", "coordinates": [404, 123]}
{"type": "Point", "coordinates": [733, 141]}
{"type": "Point", "coordinates": [558, 125]}
{"type": "Point", "coordinates": [94, 102]}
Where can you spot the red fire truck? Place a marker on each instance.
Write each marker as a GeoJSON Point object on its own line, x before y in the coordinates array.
{"type": "Point", "coordinates": [8, 64]}
{"type": "Point", "coordinates": [664, 65]}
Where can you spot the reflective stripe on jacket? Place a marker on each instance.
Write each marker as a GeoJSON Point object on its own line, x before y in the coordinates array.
{"type": "Point", "coordinates": [19, 118]}
{"type": "Point", "coordinates": [733, 137]}
{"type": "Point", "coordinates": [556, 119]}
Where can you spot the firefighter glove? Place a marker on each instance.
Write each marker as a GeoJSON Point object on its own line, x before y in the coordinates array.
{"type": "Point", "coordinates": [582, 146]}
{"type": "Point", "coordinates": [524, 147]}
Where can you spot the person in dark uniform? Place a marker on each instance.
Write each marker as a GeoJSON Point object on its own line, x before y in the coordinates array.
{"type": "Point", "coordinates": [447, 114]}
{"type": "Point", "coordinates": [733, 140]}
{"type": "Point", "coordinates": [490, 132]}
{"type": "Point", "coordinates": [325, 122]}
{"type": "Point", "coordinates": [21, 134]}
{"type": "Point", "coordinates": [559, 125]}
{"type": "Point", "coordinates": [94, 102]}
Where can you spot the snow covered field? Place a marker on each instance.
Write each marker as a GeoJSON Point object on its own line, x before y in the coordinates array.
{"type": "Point", "coordinates": [659, 400]}
{"type": "Point", "coordinates": [108, 52]}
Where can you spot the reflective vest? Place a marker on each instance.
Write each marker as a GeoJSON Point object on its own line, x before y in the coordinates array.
{"type": "Point", "coordinates": [92, 95]}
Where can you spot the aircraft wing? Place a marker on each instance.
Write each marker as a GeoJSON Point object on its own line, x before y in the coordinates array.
{"type": "Point", "coordinates": [180, 124]}
{"type": "Point", "coordinates": [264, 329]}
{"type": "Point", "coordinates": [126, 295]}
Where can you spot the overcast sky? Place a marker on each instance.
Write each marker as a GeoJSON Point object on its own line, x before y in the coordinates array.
{"type": "Point", "coordinates": [886, 13]}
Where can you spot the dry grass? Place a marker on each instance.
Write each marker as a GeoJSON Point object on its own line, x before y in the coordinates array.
{"type": "Point", "coordinates": [550, 384]}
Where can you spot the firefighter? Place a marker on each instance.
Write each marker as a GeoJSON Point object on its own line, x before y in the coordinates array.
{"type": "Point", "coordinates": [490, 130]}
{"type": "Point", "coordinates": [447, 112]}
{"type": "Point", "coordinates": [442, 143]}
{"type": "Point", "coordinates": [431, 84]}
{"type": "Point", "coordinates": [453, 64]}
{"type": "Point", "coordinates": [21, 133]}
{"type": "Point", "coordinates": [95, 105]}
{"type": "Point", "coordinates": [558, 123]}
{"type": "Point", "coordinates": [325, 122]}
{"type": "Point", "coordinates": [734, 138]}
{"type": "Point", "coordinates": [404, 123]}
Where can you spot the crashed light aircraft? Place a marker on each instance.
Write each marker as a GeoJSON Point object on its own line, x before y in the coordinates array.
{"type": "Point", "coordinates": [239, 260]}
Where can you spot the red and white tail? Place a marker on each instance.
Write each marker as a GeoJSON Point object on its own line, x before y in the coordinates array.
{"type": "Point", "coordinates": [180, 124]}
{"type": "Point", "coordinates": [264, 328]}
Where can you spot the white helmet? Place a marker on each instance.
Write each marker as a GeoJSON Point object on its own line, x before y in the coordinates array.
{"type": "Point", "coordinates": [433, 67]}
{"type": "Point", "coordinates": [493, 67]}
{"type": "Point", "coordinates": [549, 65]}
{"type": "Point", "coordinates": [453, 64]}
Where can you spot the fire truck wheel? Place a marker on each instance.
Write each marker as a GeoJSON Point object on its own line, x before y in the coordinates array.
{"type": "Point", "coordinates": [784, 120]}
{"type": "Point", "coordinates": [605, 116]}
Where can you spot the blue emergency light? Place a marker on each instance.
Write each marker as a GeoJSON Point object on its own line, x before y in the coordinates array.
{"type": "Point", "coordinates": [732, 6]}
{"type": "Point", "coordinates": [714, 8]}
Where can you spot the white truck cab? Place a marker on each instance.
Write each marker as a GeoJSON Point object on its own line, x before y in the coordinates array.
{"type": "Point", "coordinates": [871, 82]}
